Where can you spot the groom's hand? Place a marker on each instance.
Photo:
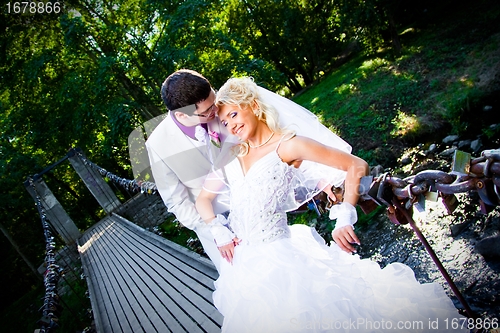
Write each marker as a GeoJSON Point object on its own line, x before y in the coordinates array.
{"type": "Point", "coordinates": [227, 251]}
{"type": "Point", "coordinates": [345, 237]}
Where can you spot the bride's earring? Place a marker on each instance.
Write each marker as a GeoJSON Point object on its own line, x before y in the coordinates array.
{"type": "Point", "coordinates": [258, 113]}
{"type": "Point", "coordinates": [257, 110]}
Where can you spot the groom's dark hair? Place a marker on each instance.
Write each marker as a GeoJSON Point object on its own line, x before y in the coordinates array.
{"type": "Point", "coordinates": [184, 87]}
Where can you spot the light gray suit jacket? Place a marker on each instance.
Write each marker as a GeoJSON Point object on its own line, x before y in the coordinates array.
{"type": "Point", "coordinates": [180, 166]}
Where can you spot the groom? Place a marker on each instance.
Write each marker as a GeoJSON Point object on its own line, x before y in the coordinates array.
{"type": "Point", "coordinates": [186, 146]}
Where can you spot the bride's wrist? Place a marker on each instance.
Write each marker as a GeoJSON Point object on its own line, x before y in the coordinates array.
{"type": "Point", "coordinates": [344, 213]}
{"type": "Point", "coordinates": [220, 231]}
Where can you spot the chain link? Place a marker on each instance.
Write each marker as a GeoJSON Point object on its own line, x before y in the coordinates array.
{"type": "Point", "coordinates": [130, 185]}
{"type": "Point", "coordinates": [51, 307]}
{"type": "Point", "coordinates": [481, 175]}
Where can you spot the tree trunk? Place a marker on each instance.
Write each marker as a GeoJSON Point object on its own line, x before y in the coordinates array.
{"type": "Point", "coordinates": [396, 43]}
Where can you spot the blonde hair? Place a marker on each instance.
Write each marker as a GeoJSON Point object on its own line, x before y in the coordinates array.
{"type": "Point", "coordinates": [243, 92]}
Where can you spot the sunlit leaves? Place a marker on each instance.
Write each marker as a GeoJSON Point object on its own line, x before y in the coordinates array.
{"type": "Point", "coordinates": [298, 38]}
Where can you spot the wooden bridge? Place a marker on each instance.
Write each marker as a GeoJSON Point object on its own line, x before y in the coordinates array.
{"type": "Point", "coordinates": [141, 282]}
{"type": "Point", "coordinates": [137, 280]}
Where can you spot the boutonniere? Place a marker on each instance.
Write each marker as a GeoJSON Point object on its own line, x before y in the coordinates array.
{"type": "Point", "coordinates": [200, 133]}
{"type": "Point", "coordinates": [214, 138]}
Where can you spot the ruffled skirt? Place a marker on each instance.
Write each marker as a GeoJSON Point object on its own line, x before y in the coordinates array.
{"type": "Point", "coordinates": [299, 284]}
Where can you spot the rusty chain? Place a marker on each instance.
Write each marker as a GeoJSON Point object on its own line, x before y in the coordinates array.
{"type": "Point", "coordinates": [481, 175]}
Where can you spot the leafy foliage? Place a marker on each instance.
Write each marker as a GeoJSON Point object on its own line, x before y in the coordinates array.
{"type": "Point", "coordinates": [302, 40]}
{"type": "Point", "coordinates": [89, 75]}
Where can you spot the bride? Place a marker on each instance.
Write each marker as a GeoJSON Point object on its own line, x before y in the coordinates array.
{"type": "Point", "coordinates": [280, 278]}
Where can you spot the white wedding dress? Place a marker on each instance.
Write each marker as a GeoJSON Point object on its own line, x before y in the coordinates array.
{"type": "Point", "coordinates": [285, 279]}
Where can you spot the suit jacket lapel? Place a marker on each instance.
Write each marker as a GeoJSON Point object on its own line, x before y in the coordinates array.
{"type": "Point", "coordinates": [185, 156]}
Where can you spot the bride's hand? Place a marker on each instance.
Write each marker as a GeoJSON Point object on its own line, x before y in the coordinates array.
{"type": "Point", "coordinates": [227, 251]}
{"type": "Point", "coordinates": [345, 237]}
{"type": "Point", "coordinates": [330, 194]}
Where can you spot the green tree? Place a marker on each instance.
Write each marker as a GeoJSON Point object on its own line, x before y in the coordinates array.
{"type": "Point", "coordinates": [85, 78]}
{"type": "Point", "coordinates": [194, 35]}
{"type": "Point", "coordinates": [300, 39]}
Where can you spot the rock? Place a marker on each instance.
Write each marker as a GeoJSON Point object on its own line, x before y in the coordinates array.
{"type": "Point", "coordinates": [432, 148]}
{"type": "Point", "coordinates": [377, 170]}
{"type": "Point", "coordinates": [406, 161]}
{"type": "Point", "coordinates": [487, 108]}
{"type": "Point", "coordinates": [448, 152]}
{"type": "Point", "coordinates": [450, 139]}
{"type": "Point", "coordinates": [463, 144]}
{"type": "Point", "coordinates": [489, 247]}
{"type": "Point", "coordinates": [476, 145]}
{"type": "Point", "coordinates": [456, 229]}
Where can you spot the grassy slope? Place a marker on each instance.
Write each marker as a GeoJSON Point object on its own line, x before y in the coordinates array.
{"type": "Point", "coordinates": [379, 103]}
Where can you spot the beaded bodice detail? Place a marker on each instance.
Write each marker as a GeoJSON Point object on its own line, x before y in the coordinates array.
{"type": "Point", "coordinates": [260, 199]}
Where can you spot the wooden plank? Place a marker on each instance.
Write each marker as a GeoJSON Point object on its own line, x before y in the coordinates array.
{"type": "Point", "coordinates": [184, 273]}
{"type": "Point", "coordinates": [100, 283]}
{"type": "Point", "coordinates": [189, 257]}
{"type": "Point", "coordinates": [145, 299]}
{"type": "Point", "coordinates": [185, 310]}
{"type": "Point", "coordinates": [101, 293]}
{"type": "Point", "coordinates": [116, 299]}
{"type": "Point", "coordinates": [124, 290]}
{"type": "Point", "coordinates": [192, 288]}
{"type": "Point", "coordinates": [112, 310]}
{"type": "Point", "coordinates": [140, 283]}
{"type": "Point", "coordinates": [100, 316]}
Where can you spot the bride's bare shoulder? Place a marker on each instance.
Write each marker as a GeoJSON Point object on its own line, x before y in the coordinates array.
{"type": "Point", "coordinates": [292, 141]}
{"type": "Point", "coordinates": [291, 148]}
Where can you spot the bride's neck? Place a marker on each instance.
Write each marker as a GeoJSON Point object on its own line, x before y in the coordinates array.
{"type": "Point", "coordinates": [261, 134]}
